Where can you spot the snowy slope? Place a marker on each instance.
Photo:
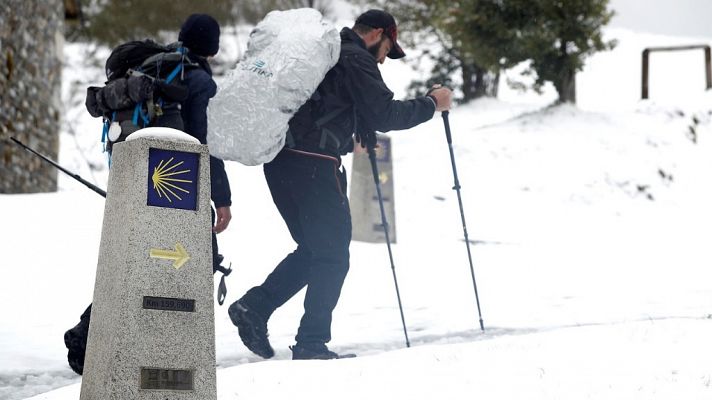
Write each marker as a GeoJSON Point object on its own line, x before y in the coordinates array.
{"type": "Point", "coordinates": [590, 227]}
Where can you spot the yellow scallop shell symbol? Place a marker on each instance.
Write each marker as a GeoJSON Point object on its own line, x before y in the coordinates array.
{"type": "Point", "coordinates": [166, 181]}
{"type": "Point", "coordinates": [383, 177]}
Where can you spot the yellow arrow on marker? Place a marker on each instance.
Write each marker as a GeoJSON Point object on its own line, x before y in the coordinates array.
{"type": "Point", "coordinates": [179, 256]}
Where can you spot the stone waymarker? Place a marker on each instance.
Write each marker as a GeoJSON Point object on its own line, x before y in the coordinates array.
{"type": "Point", "coordinates": [365, 210]}
{"type": "Point", "coordinates": [152, 331]}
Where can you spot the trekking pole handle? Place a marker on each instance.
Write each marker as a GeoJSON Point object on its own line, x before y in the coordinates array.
{"type": "Point", "coordinates": [371, 150]}
{"type": "Point", "coordinates": [446, 121]}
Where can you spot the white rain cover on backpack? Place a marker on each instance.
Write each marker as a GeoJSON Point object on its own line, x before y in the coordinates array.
{"type": "Point", "coordinates": [288, 55]}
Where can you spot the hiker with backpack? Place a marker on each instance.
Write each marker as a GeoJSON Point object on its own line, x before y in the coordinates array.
{"type": "Point", "coordinates": [200, 34]}
{"type": "Point", "coordinates": [308, 184]}
{"type": "Point", "coordinates": [192, 80]}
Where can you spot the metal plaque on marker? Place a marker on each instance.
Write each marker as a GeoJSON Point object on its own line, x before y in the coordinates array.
{"type": "Point", "coordinates": [166, 379]}
{"type": "Point", "coordinates": [168, 303]}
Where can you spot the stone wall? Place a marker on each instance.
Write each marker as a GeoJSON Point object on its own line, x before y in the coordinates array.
{"type": "Point", "coordinates": [31, 36]}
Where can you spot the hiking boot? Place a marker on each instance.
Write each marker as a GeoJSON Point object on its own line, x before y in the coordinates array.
{"type": "Point", "coordinates": [76, 346]}
{"type": "Point", "coordinates": [75, 340]}
{"type": "Point", "coordinates": [315, 352]}
{"type": "Point", "coordinates": [252, 329]}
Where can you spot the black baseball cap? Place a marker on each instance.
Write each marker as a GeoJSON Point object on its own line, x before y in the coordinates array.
{"type": "Point", "coordinates": [384, 20]}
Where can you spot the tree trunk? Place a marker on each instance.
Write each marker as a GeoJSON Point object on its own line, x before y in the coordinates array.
{"type": "Point", "coordinates": [469, 78]}
{"type": "Point", "coordinates": [72, 10]}
{"type": "Point", "coordinates": [478, 82]}
{"type": "Point", "coordinates": [492, 84]}
{"type": "Point", "coordinates": [566, 87]}
{"type": "Point", "coordinates": [30, 83]}
{"type": "Point", "coordinates": [565, 84]}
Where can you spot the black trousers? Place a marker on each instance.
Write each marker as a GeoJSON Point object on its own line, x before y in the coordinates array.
{"type": "Point", "coordinates": [310, 194]}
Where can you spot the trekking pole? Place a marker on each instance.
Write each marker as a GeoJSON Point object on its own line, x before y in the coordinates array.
{"type": "Point", "coordinates": [59, 167]}
{"type": "Point", "coordinates": [374, 168]}
{"type": "Point", "coordinates": [446, 121]}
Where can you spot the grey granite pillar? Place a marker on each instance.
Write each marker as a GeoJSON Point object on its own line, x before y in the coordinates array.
{"type": "Point", "coordinates": [152, 332]}
{"type": "Point", "coordinates": [363, 199]}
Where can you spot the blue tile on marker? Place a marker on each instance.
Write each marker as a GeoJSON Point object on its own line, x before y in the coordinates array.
{"type": "Point", "coordinates": [173, 179]}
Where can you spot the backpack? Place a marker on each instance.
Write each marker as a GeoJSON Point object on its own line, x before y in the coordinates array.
{"type": "Point", "coordinates": [143, 84]}
{"type": "Point", "coordinates": [288, 55]}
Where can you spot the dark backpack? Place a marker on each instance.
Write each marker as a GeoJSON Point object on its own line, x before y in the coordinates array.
{"type": "Point", "coordinates": [143, 81]}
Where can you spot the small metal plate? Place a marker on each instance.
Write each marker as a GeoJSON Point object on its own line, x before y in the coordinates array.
{"type": "Point", "coordinates": [166, 379]}
{"type": "Point", "coordinates": [168, 303]}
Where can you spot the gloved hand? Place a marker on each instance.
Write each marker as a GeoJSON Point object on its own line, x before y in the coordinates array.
{"type": "Point", "coordinates": [367, 139]}
{"type": "Point", "coordinates": [442, 96]}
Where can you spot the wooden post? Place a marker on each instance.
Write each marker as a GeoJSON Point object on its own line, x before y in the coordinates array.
{"type": "Point", "coordinates": [646, 61]}
{"type": "Point", "coordinates": [646, 64]}
{"type": "Point", "coordinates": [708, 67]}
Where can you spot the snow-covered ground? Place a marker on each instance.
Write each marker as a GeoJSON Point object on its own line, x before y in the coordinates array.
{"type": "Point", "coordinates": [590, 229]}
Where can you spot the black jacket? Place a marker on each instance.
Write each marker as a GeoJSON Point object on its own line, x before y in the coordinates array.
{"type": "Point", "coordinates": [352, 98]}
{"type": "Point", "coordinates": [201, 88]}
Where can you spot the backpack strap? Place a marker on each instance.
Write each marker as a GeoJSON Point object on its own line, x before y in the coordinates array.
{"type": "Point", "coordinates": [174, 73]}
{"type": "Point", "coordinates": [331, 115]}
{"type": "Point", "coordinates": [145, 116]}
{"type": "Point", "coordinates": [105, 131]}
{"type": "Point", "coordinates": [321, 122]}
{"type": "Point", "coordinates": [289, 139]}
{"type": "Point", "coordinates": [178, 68]}
{"type": "Point", "coordinates": [326, 132]}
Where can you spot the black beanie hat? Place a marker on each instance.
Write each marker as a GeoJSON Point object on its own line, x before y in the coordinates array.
{"type": "Point", "coordinates": [201, 34]}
